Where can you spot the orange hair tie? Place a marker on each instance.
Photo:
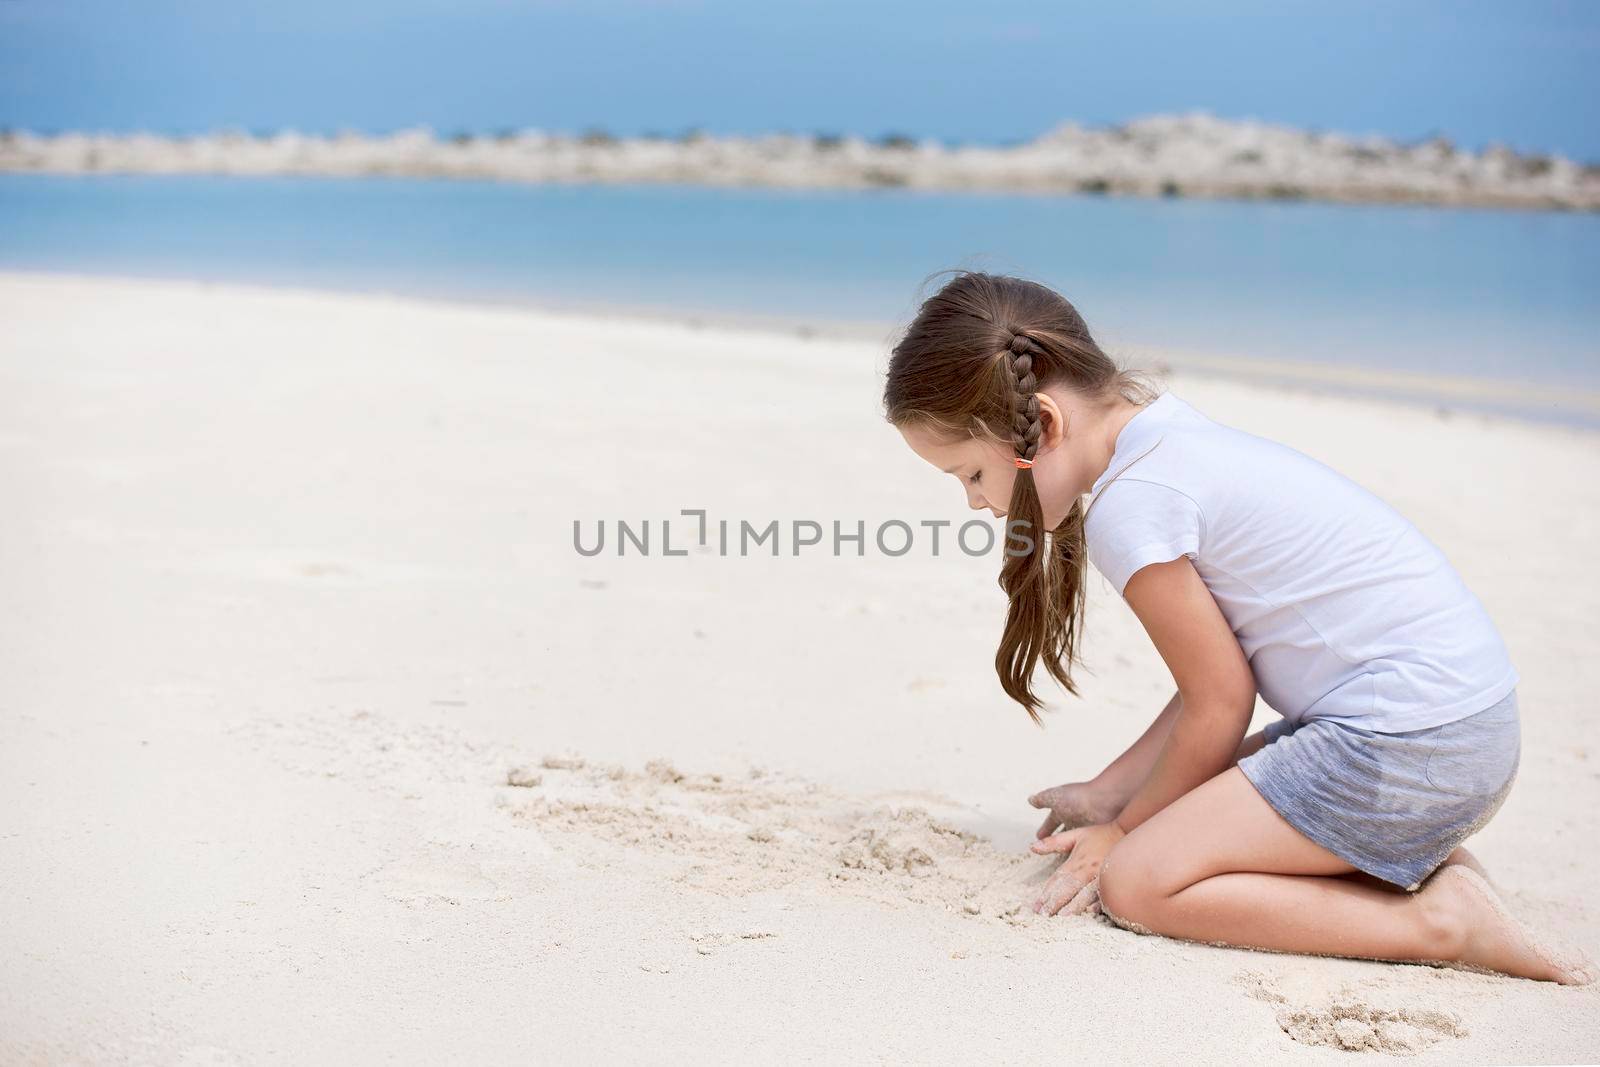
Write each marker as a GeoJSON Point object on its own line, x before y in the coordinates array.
{"type": "Point", "coordinates": [1023, 464]}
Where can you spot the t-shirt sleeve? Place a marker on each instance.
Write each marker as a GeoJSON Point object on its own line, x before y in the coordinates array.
{"type": "Point", "coordinates": [1133, 524]}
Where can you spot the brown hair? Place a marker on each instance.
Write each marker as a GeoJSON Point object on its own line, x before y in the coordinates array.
{"type": "Point", "coordinates": [971, 364]}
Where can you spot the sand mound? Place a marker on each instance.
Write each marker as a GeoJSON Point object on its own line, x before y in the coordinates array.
{"type": "Point", "coordinates": [730, 835]}
{"type": "Point", "coordinates": [758, 831]}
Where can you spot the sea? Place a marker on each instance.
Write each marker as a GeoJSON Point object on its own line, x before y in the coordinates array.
{"type": "Point", "coordinates": [1508, 300]}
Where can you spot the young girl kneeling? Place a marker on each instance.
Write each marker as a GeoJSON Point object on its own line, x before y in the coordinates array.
{"type": "Point", "coordinates": [1253, 568]}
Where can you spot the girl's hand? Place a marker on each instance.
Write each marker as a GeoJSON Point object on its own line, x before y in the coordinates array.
{"type": "Point", "coordinates": [1073, 886]}
{"type": "Point", "coordinates": [1076, 804]}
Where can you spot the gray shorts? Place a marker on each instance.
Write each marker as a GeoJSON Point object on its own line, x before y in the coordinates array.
{"type": "Point", "coordinates": [1391, 804]}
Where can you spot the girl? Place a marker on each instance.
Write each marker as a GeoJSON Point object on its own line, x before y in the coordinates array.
{"type": "Point", "coordinates": [1253, 568]}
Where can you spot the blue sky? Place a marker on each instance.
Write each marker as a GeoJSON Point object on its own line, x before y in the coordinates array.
{"type": "Point", "coordinates": [1524, 73]}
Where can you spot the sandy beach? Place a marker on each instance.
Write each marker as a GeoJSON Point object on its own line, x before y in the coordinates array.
{"type": "Point", "coordinates": [323, 743]}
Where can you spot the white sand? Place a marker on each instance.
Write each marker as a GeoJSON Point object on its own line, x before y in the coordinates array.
{"type": "Point", "coordinates": [291, 591]}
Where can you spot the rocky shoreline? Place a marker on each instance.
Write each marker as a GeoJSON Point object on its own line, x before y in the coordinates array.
{"type": "Point", "coordinates": [1194, 155]}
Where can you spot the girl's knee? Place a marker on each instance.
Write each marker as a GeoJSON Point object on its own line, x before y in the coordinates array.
{"type": "Point", "coordinates": [1130, 887]}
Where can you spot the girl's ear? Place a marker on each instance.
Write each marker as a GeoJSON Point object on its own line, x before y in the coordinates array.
{"type": "Point", "coordinates": [1052, 422]}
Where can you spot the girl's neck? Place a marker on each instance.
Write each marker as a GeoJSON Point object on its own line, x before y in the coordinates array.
{"type": "Point", "coordinates": [1103, 436]}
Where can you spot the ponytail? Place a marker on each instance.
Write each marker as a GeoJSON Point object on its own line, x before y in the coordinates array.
{"type": "Point", "coordinates": [1043, 582]}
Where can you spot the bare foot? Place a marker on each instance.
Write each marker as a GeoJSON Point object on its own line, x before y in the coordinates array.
{"type": "Point", "coordinates": [1468, 860]}
{"type": "Point", "coordinates": [1484, 935]}
{"type": "Point", "coordinates": [1073, 805]}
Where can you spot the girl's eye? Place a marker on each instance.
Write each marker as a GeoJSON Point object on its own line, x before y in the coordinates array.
{"type": "Point", "coordinates": [974, 479]}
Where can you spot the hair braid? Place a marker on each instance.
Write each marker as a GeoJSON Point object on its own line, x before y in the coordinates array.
{"type": "Point", "coordinates": [1025, 426]}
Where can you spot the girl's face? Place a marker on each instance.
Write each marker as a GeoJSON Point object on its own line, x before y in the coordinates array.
{"type": "Point", "coordinates": [987, 472]}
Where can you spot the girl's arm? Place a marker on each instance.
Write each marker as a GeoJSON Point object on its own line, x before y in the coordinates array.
{"type": "Point", "coordinates": [1103, 797]}
{"type": "Point", "coordinates": [1216, 691]}
{"type": "Point", "coordinates": [1125, 774]}
{"type": "Point", "coordinates": [1216, 696]}
{"type": "Point", "coordinates": [1128, 771]}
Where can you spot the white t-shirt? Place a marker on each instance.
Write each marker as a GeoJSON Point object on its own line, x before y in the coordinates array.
{"type": "Point", "coordinates": [1343, 608]}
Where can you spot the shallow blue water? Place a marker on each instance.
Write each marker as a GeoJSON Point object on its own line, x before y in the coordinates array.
{"type": "Point", "coordinates": [1494, 293]}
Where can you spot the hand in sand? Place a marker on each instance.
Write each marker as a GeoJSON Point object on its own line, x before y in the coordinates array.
{"type": "Point", "coordinates": [1073, 887]}
{"type": "Point", "coordinates": [1073, 805]}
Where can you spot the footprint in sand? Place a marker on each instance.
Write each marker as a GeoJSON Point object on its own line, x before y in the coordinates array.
{"type": "Point", "coordinates": [1359, 1027]}
{"type": "Point", "coordinates": [435, 875]}
{"type": "Point", "coordinates": [1355, 1017]}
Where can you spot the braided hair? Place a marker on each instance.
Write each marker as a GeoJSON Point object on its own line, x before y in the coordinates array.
{"type": "Point", "coordinates": [972, 363]}
{"type": "Point", "coordinates": [1025, 426]}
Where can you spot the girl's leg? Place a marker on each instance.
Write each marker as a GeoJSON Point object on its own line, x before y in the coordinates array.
{"type": "Point", "coordinates": [1221, 865]}
{"type": "Point", "coordinates": [1257, 741]}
